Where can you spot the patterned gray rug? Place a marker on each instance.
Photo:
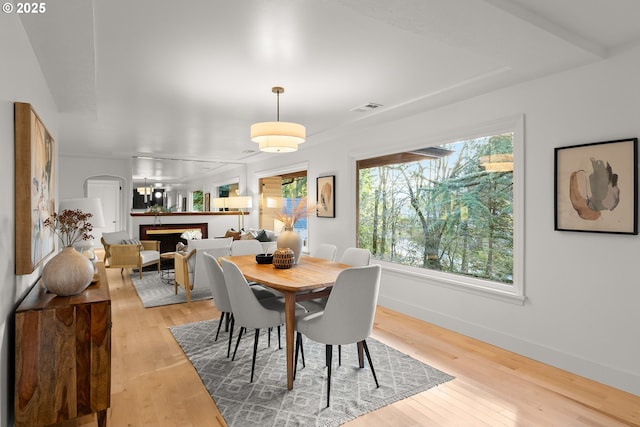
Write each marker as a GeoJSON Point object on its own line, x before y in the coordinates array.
{"type": "Point", "coordinates": [267, 402]}
{"type": "Point", "coordinates": [154, 290]}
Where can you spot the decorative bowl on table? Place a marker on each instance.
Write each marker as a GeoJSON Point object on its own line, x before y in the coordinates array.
{"type": "Point", "coordinates": [283, 258]}
{"type": "Point", "coordinates": [264, 258]}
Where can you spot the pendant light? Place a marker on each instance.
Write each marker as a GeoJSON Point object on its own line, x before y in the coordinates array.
{"type": "Point", "coordinates": [278, 137]}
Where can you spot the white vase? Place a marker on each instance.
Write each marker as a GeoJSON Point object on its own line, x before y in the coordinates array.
{"type": "Point", "coordinates": [290, 239]}
{"type": "Point", "coordinates": [67, 273]}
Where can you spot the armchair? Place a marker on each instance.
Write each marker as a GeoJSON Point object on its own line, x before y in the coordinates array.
{"type": "Point", "coordinates": [121, 251]}
{"type": "Point", "coordinates": [184, 268]}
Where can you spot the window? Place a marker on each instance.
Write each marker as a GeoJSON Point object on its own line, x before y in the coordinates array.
{"type": "Point", "coordinates": [283, 192]}
{"type": "Point", "coordinates": [444, 209]}
{"type": "Point", "coordinates": [198, 201]}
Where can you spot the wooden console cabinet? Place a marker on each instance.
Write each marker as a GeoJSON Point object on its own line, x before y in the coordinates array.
{"type": "Point", "coordinates": [63, 355]}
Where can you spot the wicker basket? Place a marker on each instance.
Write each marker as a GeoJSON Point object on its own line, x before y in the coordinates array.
{"type": "Point", "coordinates": [283, 258]}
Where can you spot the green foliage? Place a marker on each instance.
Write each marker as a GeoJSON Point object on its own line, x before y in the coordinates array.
{"type": "Point", "coordinates": [448, 214]}
{"type": "Point", "coordinates": [198, 201]}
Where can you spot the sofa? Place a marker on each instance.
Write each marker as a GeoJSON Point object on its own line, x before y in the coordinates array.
{"type": "Point", "coordinates": [267, 238]}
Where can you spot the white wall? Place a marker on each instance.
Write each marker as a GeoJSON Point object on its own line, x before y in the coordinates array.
{"type": "Point", "coordinates": [582, 308]}
{"type": "Point", "coordinates": [582, 288]}
{"type": "Point", "coordinates": [21, 80]}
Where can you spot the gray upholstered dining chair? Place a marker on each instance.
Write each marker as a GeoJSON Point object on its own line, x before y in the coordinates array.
{"type": "Point", "coordinates": [217, 284]}
{"type": "Point", "coordinates": [347, 318]}
{"type": "Point", "coordinates": [248, 310]}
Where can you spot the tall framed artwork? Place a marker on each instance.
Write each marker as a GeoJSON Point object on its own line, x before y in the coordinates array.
{"type": "Point", "coordinates": [34, 189]}
{"type": "Point", "coordinates": [596, 187]}
{"type": "Point", "coordinates": [207, 202]}
{"type": "Point", "coordinates": [326, 194]}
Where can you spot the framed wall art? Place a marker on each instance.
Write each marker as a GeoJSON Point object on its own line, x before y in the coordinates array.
{"type": "Point", "coordinates": [34, 189]}
{"type": "Point", "coordinates": [596, 187]}
{"type": "Point", "coordinates": [326, 193]}
{"type": "Point", "coordinates": [207, 202]}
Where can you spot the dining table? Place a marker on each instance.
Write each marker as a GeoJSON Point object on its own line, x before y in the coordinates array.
{"type": "Point", "coordinates": [308, 274]}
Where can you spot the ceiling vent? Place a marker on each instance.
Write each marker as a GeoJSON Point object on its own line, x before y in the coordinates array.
{"type": "Point", "coordinates": [366, 107]}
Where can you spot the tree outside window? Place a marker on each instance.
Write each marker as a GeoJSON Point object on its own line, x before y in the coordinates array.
{"type": "Point", "coordinates": [447, 208]}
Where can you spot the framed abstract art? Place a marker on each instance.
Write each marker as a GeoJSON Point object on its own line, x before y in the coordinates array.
{"type": "Point", "coordinates": [34, 189]}
{"type": "Point", "coordinates": [326, 193]}
{"type": "Point", "coordinates": [596, 187]}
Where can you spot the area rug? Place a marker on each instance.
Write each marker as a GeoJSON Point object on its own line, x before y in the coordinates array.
{"type": "Point", "coordinates": [267, 402]}
{"type": "Point", "coordinates": [155, 291]}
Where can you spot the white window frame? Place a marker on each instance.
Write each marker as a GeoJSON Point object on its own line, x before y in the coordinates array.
{"type": "Point", "coordinates": [512, 292]}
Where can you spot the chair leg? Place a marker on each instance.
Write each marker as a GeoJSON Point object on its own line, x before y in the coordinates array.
{"type": "Point", "coordinates": [219, 325]}
{"type": "Point", "coordinates": [255, 350]}
{"type": "Point", "coordinates": [329, 354]}
{"type": "Point", "coordinates": [373, 371]}
{"type": "Point", "coordinates": [299, 348]}
{"type": "Point", "coordinates": [269, 337]}
{"type": "Point", "coordinates": [280, 343]}
{"type": "Point", "coordinates": [226, 324]}
{"type": "Point", "coordinates": [339, 355]}
{"type": "Point", "coordinates": [233, 321]}
{"type": "Point", "coordinates": [237, 343]}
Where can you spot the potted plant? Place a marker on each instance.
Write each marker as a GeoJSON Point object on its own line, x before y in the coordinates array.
{"type": "Point", "coordinates": [68, 272]}
{"type": "Point", "coordinates": [289, 238]}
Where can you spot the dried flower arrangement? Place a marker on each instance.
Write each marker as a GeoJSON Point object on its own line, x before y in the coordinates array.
{"type": "Point", "coordinates": [71, 226]}
{"type": "Point", "coordinates": [289, 218]}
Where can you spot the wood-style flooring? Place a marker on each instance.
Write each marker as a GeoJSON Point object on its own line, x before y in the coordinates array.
{"type": "Point", "coordinates": [155, 385]}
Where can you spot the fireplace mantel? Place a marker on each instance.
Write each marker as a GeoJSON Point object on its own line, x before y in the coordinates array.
{"type": "Point", "coordinates": [169, 234]}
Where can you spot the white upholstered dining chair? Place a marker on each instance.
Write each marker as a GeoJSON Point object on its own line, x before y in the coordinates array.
{"type": "Point", "coordinates": [326, 251]}
{"type": "Point", "coordinates": [355, 257]}
{"type": "Point", "coordinates": [347, 318]}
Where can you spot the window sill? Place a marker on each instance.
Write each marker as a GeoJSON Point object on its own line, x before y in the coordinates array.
{"type": "Point", "coordinates": [485, 288]}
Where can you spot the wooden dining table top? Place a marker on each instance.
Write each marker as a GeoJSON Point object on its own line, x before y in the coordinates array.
{"type": "Point", "coordinates": [308, 274]}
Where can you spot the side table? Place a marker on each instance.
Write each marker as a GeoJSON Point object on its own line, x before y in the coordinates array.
{"type": "Point", "coordinates": [167, 267]}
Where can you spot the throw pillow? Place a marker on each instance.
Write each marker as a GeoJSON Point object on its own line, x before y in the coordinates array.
{"type": "Point", "coordinates": [233, 233]}
{"type": "Point", "coordinates": [131, 242]}
{"type": "Point", "coordinates": [263, 236]}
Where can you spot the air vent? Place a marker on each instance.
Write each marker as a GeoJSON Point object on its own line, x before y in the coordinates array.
{"type": "Point", "coordinates": [366, 107]}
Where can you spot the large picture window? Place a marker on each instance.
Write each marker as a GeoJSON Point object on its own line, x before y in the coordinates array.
{"type": "Point", "coordinates": [446, 208]}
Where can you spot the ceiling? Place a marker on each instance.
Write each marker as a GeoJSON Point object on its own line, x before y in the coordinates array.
{"type": "Point", "coordinates": [173, 87]}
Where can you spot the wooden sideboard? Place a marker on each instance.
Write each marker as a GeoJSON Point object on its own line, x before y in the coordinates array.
{"type": "Point", "coordinates": [63, 355]}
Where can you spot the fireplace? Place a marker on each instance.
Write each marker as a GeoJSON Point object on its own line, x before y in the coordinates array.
{"type": "Point", "coordinates": [169, 234]}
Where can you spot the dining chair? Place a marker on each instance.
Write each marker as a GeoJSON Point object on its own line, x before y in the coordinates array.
{"type": "Point", "coordinates": [347, 318]}
{"type": "Point", "coordinates": [326, 251]}
{"type": "Point", "coordinates": [246, 247]}
{"type": "Point", "coordinates": [219, 291]}
{"type": "Point", "coordinates": [248, 310]}
{"type": "Point", "coordinates": [355, 257]}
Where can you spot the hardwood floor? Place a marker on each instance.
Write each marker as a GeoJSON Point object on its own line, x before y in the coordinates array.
{"type": "Point", "coordinates": [153, 383]}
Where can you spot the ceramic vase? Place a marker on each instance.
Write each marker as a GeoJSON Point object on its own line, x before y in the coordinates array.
{"type": "Point", "coordinates": [290, 239]}
{"type": "Point", "coordinates": [67, 273]}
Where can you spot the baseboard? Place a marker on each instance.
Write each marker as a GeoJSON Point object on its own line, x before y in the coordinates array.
{"type": "Point", "coordinates": [626, 381]}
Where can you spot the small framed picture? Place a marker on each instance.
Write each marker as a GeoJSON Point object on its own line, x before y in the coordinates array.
{"type": "Point", "coordinates": [596, 187]}
{"type": "Point", "coordinates": [326, 193]}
